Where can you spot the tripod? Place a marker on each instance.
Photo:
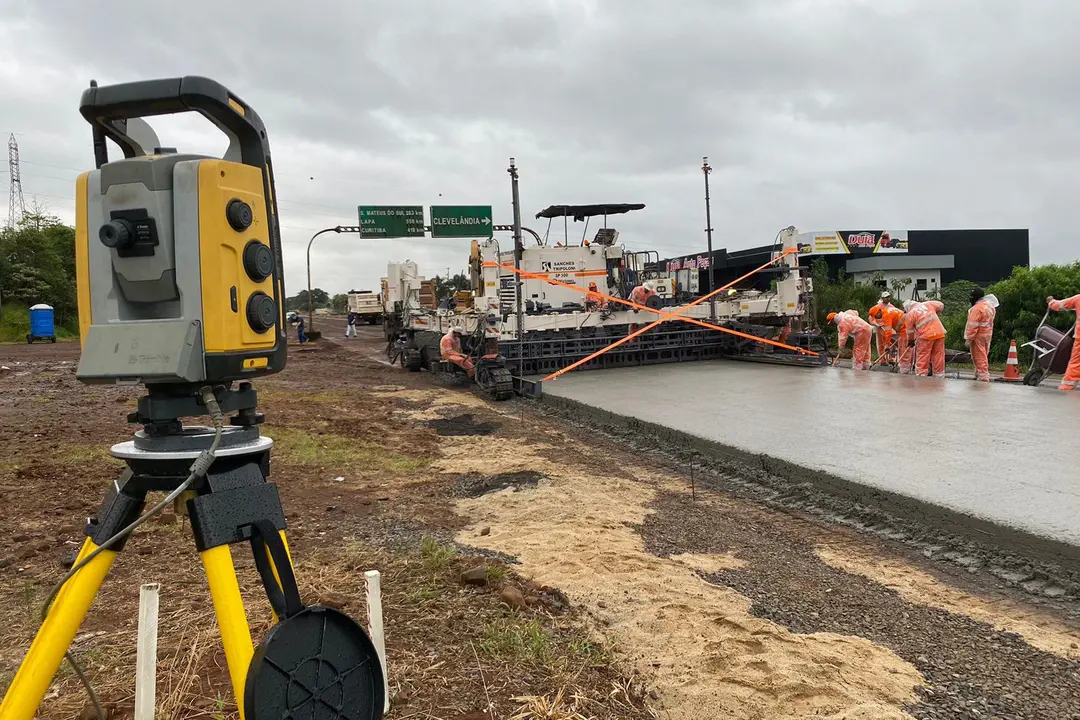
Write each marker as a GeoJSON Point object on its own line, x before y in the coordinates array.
{"type": "Point", "coordinates": [315, 662]}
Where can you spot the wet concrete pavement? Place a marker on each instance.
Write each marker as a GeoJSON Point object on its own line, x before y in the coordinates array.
{"type": "Point", "coordinates": [1005, 454]}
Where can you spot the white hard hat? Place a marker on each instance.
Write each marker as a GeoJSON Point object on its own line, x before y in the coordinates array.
{"type": "Point", "coordinates": [908, 304]}
{"type": "Point", "coordinates": [650, 284]}
{"type": "Point", "coordinates": [886, 295]}
{"type": "Point", "coordinates": [456, 330]}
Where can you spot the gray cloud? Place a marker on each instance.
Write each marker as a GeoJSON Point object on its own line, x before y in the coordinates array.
{"type": "Point", "coordinates": [818, 113]}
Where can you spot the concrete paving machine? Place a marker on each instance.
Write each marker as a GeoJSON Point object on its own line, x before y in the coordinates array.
{"type": "Point", "coordinates": [414, 326]}
{"type": "Point", "coordinates": [550, 327]}
{"type": "Point", "coordinates": [532, 319]}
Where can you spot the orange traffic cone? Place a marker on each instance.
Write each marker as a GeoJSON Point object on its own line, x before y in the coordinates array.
{"type": "Point", "coordinates": [1012, 365]}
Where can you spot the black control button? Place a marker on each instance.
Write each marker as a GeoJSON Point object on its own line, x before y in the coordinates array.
{"type": "Point", "coordinates": [261, 312]}
{"type": "Point", "coordinates": [239, 215]}
{"type": "Point", "coordinates": [258, 261]}
{"type": "Point", "coordinates": [117, 234]}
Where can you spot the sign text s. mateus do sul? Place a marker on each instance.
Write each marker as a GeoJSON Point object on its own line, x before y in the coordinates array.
{"type": "Point", "coordinates": [391, 221]}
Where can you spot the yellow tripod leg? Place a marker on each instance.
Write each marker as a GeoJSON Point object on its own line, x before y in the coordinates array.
{"type": "Point", "coordinates": [231, 619]}
{"type": "Point", "coordinates": [52, 640]}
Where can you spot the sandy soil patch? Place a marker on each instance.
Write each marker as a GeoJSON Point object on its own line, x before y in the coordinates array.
{"type": "Point", "coordinates": [707, 655]}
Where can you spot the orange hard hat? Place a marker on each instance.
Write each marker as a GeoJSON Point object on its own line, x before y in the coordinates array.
{"type": "Point", "coordinates": [592, 286]}
{"type": "Point", "coordinates": [830, 317]}
{"type": "Point", "coordinates": [875, 311]}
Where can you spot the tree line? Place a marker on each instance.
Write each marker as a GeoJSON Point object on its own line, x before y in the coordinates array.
{"type": "Point", "coordinates": [37, 265]}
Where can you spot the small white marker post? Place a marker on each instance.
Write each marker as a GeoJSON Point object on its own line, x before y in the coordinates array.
{"type": "Point", "coordinates": [375, 628]}
{"type": "Point", "coordinates": [146, 653]}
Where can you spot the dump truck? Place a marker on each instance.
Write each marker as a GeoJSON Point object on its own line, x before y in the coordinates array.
{"type": "Point", "coordinates": [367, 305]}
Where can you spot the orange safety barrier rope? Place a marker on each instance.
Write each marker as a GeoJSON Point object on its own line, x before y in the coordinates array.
{"type": "Point", "coordinates": [663, 315]}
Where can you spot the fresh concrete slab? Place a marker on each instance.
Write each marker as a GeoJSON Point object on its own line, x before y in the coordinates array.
{"type": "Point", "coordinates": [1005, 454]}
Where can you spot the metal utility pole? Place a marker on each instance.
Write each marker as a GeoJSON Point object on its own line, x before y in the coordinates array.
{"type": "Point", "coordinates": [16, 202]}
{"type": "Point", "coordinates": [518, 248]}
{"type": "Point", "coordinates": [339, 229]}
{"type": "Point", "coordinates": [705, 169]}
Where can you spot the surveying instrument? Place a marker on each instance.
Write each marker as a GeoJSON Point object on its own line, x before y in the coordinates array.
{"type": "Point", "coordinates": [180, 288]}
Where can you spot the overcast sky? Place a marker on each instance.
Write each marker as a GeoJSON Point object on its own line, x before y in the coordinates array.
{"type": "Point", "coordinates": [823, 114]}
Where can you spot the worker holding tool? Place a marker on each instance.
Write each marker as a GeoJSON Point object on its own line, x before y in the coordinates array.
{"type": "Point", "coordinates": [923, 324]}
{"type": "Point", "coordinates": [1072, 372]}
{"type": "Point", "coordinates": [640, 295]}
{"type": "Point", "coordinates": [849, 323]}
{"type": "Point", "coordinates": [883, 336]}
{"type": "Point", "coordinates": [593, 299]}
{"type": "Point", "coordinates": [450, 349]}
{"type": "Point", "coordinates": [895, 349]}
{"type": "Point", "coordinates": [979, 330]}
{"type": "Point", "coordinates": [877, 313]}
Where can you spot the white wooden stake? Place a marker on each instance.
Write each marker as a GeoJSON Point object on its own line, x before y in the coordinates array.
{"type": "Point", "coordinates": [146, 653]}
{"type": "Point", "coordinates": [375, 628]}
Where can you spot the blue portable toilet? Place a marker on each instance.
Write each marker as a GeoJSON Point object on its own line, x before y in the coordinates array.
{"type": "Point", "coordinates": [42, 326]}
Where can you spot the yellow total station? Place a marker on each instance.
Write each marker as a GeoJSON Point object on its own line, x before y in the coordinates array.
{"type": "Point", "coordinates": [180, 288]}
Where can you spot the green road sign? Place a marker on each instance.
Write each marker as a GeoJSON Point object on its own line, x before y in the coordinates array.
{"type": "Point", "coordinates": [456, 221]}
{"type": "Point", "coordinates": [391, 221]}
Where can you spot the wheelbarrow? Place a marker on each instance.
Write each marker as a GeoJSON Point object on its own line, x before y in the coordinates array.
{"type": "Point", "coordinates": [1051, 349]}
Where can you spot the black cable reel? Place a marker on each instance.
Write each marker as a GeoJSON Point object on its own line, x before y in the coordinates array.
{"type": "Point", "coordinates": [316, 663]}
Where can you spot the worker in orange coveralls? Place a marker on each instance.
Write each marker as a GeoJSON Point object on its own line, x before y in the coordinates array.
{"type": "Point", "coordinates": [922, 323]}
{"type": "Point", "coordinates": [849, 323]}
{"type": "Point", "coordinates": [1072, 372]}
{"type": "Point", "coordinates": [877, 312]}
{"type": "Point", "coordinates": [882, 335]}
{"type": "Point", "coordinates": [889, 319]}
{"type": "Point", "coordinates": [894, 318]}
{"type": "Point", "coordinates": [450, 349]}
{"type": "Point", "coordinates": [640, 295]}
{"type": "Point", "coordinates": [979, 330]}
{"type": "Point", "coordinates": [593, 299]}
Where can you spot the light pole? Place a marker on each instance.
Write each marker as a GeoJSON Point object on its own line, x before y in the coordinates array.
{"type": "Point", "coordinates": [518, 247]}
{"type": "Point", "coordinates": [339, 229]}
{"type": "Point", "coordinates": [705, 169]}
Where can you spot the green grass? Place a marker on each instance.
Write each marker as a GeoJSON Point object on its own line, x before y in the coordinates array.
{"type": "Point", "coordinates": [305, 448]}
{"type": "Point", "coordinates": [422, 595]}
{"type": "Point", "coordinates": [436, 556]}
{"type": "Point", "coordinates": [516, 638]}
{"type": "Point", "coordinates": [519, 638]}
{"type": "Point", "coordinates": [15, 324]}
{"type": "Point", "coordinates": [496, 574]}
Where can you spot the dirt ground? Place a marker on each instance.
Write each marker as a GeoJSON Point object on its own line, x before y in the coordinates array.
{"type": "Point", "coordinates": [610, 591]}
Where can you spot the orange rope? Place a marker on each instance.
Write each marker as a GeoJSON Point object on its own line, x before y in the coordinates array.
{"type": "Point", "coordinates": [663, 315]}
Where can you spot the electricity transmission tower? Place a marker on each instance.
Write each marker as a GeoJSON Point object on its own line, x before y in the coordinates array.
{"type": "Point", "coordinates": [16, 202]}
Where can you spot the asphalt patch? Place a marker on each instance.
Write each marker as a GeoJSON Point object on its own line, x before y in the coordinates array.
{"type": "Point", "coordinates": [971, 670]}
{"type": "Point", "coordinates": [474, 485]}
{"type": "Point", "coordinates": [462, 425]}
